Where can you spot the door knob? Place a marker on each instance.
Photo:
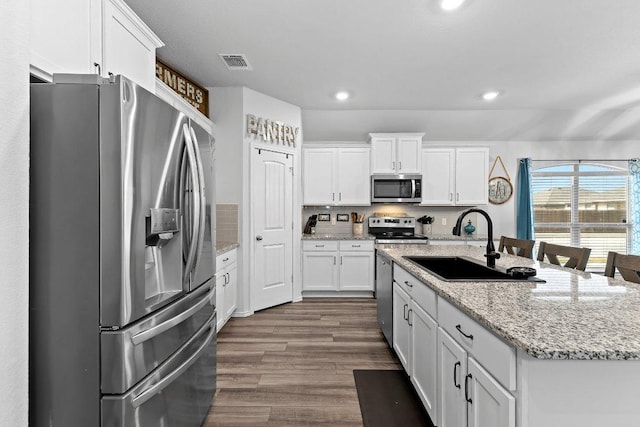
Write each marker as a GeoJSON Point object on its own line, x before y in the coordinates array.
{"type": "Point", "coordinates": [258, 238]}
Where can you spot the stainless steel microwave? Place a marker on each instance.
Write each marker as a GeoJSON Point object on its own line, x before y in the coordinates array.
{"type": "Point", "coordinates": [396, 188]}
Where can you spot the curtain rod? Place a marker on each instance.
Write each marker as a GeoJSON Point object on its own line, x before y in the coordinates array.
{"type": "Point", "coordinates": [583, 160]}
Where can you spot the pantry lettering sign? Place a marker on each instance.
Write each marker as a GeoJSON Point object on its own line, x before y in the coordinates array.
{"type": "Point", "coordinates": [193, 93]}
{"type": "Point", "coordinates": [272, 131]}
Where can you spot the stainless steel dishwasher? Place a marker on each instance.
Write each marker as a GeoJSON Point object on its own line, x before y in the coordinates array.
{"type": "Point", "coordinates": [384, 296]}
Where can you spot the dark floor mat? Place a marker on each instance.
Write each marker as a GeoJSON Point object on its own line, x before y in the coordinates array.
{"type": "Point", "coordinates": [387, 399]}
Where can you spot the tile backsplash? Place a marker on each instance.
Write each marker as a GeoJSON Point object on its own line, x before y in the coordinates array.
{"type": "Point", "coordinates": [227, 222]}
{"type": "Point", "coordinates": [448, 214]}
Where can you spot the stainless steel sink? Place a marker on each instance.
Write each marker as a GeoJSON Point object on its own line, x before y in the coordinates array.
{"type": "Point", "coordinates": [462, 269]}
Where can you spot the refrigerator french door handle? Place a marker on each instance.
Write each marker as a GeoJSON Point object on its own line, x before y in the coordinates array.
{"type": "Point", "coordinates": [201, 191]}
{"type": "Point", "coordinates": [193, 246]}
{"type": "Point", "coordinates": [147, 334]}
{"type": "Point", "coordinates": [169, 378]}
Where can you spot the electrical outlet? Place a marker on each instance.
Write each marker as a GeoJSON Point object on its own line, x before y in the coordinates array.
{"type": "Point", "coordinates": [333, 220]}
{"type": "Point", "coordinates": [444, 221]}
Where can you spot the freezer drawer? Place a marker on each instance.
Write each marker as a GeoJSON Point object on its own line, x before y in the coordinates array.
{"type": "Point", "coordinates": [177, 394]}
{"type": "Point", "coordinates": [129, 354]}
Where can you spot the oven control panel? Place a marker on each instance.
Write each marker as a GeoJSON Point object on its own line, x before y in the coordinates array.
{"type": "Point", "coordinates": [393, 222]}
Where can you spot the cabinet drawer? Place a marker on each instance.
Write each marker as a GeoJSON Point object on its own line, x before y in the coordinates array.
{"type": "Point", "coordinates": [356, 245]}
{"type": "Point", "coordinates": [424, 296]}
{"type": "Point", "coordinates": [226, 259]}
{"type": "Point", "coordinates": [320, 245]}
{"type": "Point", "coordinates": [496, 356]}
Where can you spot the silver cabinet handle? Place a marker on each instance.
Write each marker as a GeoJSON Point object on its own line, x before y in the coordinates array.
{"type": "Point", "coordinates": [399, 166]}
{"type": "Point", "coordinates": [143, 336]}
{"type": "Point", "coordinates": [393, 165]}
{"type": "Point", "coordinates": [357, 246]}
{"type": "Point", "coordinates": [258, 237]}
{"type": "Point", "coordinates": [333, 196]}
{"type": "Point", "coordinates": [404, 312]}
{"type": "Point", "coordinates": [409, 317]}
{"type": "Point", "coordinates": [334, 260]}
{"type": "Point", "coordinates": [341, 260]}
{"type": "Point", "coordinates": [406, 282]}
{"type": "Point", "coordinates": [99, 67]}
{"type": "Point", "coordinates": [340, 196]}
{"type": "Point", "coordinates": [319, 246]}
{"type": "Point", "coordinates": [457, 197]}
{"type": "Point", "coordinates": [225, 259]}
{"type": "Point", "coordinates": [172, 376]}
{"type": "Point", "coordinates": [450, 196]}
{"type": "Point", "coordinates": [468, 336]}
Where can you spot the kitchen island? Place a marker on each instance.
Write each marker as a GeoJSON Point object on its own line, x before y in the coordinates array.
{"type": "Point", "coordinates": [568, 349]}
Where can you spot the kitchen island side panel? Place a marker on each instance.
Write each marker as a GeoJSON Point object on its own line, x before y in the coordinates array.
{"type": "Point", "coordinates": [64, 257]}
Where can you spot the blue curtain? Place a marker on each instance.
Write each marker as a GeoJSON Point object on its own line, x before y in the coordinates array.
{"type": "Point", "coordinates": [524, 202]}
{"type": "Point", "coordinates": [634, 204]}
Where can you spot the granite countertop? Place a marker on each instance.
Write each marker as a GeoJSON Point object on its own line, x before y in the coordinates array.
{"type": "Point", "coordinates": [337, 236]}
{"type": "Point", "coordinates": [574, 315]}
{"type": "Point", "coordinates": [463, 237]}
{"type": "Point", "coordinates": [222, 247]}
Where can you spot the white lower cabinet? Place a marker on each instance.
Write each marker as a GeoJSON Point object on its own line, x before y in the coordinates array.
{"type": "Point", "coordinates": [332, 265]}
{"type": "Point", "coordinates": [226, 286]}
{"type": "Point", "coordinates": [415, 336]}
{"type": "Point", "coordinates": [469, 395]}
{"type": "Point", "coordinates": [450, 375]}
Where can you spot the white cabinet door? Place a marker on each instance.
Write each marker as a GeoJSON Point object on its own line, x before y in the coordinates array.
{"type": "Point", "coordinates": [472, 176]}
{"type": "Point", "coordinates": [230, 292]}
{"type": "Point", "coordinates": [401, 328]}
{"type": "Point", "coordinates": [128, 45]}
{"type": "Point", "coordinates": [319, 271]}
{"type": "Point", "coordinates": [490, 405]}
{"type": "Point", "coordinates": [383, 155]}
{"type": "Point", "coordinates": [318, 176]}
{"type": "Point", "coordinates": [424, 342]}
{"type": "Point", "coordinates": [408, 154]}
{"type": "Point", "coordinates": [64, 39]}
{"type": "Point", "coordinates": [353, 176]}
{"type": "Point", "coordinates": [221, 280]}
{"type": "Point", "coordinates": [452, 369]}
{"type": "Point", "coordinates": [356, 271]}
{"type": "Point", "coordinates": [438, 176]}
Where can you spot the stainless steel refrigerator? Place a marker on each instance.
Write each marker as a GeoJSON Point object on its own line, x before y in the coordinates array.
{"type": "Point", "coordinates": [122, 321]}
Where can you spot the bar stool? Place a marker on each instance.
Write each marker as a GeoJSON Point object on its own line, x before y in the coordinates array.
{"type": "Point", "coordinates": [519, 247]}
{"type": "Point", "coordinates": [627, 265]}
{"type": "Point", "coordinates": [578, 257]}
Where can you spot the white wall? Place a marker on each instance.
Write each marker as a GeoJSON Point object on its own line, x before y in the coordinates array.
{"type": "Point", "coordinates": [14, 205]}
{"type": "Point", "coordinates": [229, 107]}
{"type": "Point", "coordinates": [504, 215]}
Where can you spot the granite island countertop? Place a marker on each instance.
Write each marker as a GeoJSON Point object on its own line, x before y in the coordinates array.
{"type": "Point", "coordinates": [574, 315]}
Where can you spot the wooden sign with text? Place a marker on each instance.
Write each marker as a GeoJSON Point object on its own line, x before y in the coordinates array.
{"type": "Point", "coordinates": [193, 93]}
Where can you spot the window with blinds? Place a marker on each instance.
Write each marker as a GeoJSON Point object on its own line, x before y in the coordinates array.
{"type": "Point", "coordinates": [585, 205]}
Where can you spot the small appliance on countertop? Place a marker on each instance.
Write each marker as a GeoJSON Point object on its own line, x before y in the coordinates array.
{"type": "Point", "coordinates": [396, 229]}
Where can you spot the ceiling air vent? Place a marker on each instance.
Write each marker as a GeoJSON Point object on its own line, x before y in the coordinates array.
{"type": "Point", "coordinates": [235, 62]}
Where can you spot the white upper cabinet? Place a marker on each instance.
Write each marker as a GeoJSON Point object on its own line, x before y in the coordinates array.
{"type": "Point", "coordinates": [91, 37]}
{"type": "Point", "coordinates": [128, 45]}
{"type": "Point", "coordinates": [455, 176]}
{"type": "Point", "coordinates": [336, 176]}
{"type": "Point", "coordinates": [395, 153]}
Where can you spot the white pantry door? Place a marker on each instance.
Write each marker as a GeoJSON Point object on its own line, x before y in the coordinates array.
{"type": "Point", "coordinates": [272, 197]}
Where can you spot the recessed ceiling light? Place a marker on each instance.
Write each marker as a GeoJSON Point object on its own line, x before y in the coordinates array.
{"type": "Point", "coordinates": [342, 96]}
{"type": "Point", "coordinates": [490, 95]}
{"type": "Point", "coordinates": [450, 5]}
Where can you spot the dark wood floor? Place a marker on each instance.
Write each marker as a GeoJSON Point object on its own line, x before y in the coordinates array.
{"type": "Point", "coordinates": [292, 365]}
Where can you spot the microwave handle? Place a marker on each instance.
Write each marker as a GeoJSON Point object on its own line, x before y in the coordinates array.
{"type": "Point", "coordinates": [413, 188]}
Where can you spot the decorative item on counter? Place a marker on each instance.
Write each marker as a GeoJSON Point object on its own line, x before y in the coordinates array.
{"type": "Point", "coordinates": [358, 227]}
{"type": "Point", "coordinates": [469, 228]}
{"type": "Point", "coordinates": [426, 222]}
{"type": "Point", "coordinates": [500, 188]}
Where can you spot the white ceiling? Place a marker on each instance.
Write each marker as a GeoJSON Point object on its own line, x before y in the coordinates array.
{"type": "Point", "coordinates": [574, 57]}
